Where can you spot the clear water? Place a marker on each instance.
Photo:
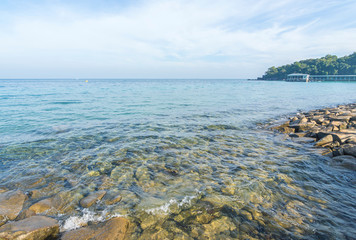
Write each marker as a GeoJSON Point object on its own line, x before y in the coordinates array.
{"type": "Point", "coordinates": [187, 156]}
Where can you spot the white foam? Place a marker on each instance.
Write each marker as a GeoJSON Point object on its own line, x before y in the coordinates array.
{"type": "Point", "coordinates": [165, 209]}
{"type": "Point", "coordinates": [75, 222]}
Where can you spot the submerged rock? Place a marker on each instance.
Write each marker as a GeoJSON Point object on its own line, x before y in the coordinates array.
{"type": "Point", "coordinates": [92, 198]}
{"type": "Point", "coordinates": [11, 204]}
{"type": "Point", "coordinates": [345, 161]}
{"type": "Point", "coordinates": [32, 228]}
{"type": "Point", "coordinates": [114, 229]}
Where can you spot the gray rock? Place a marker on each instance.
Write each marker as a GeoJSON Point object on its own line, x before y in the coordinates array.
{"type": "Point", "coordinates": [304, 140]}
{"type": "Point", "coordinates": [346, 161]}
{"type": "Point", "coordinates": [349, 149]}
{"type": "Point", "coordinates": [32, 228]}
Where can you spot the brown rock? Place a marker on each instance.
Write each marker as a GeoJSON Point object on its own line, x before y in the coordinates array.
{"type": "Point", "coordinates": [340, 118]}
{"type": "Point", "coordinates": [42, 206]}
{"type": "Point", "coordinates": [296, 135]}
{"type": "Point", "coordinates": [302, 127]}
{"type": "Point", "coordinates": [286, 130]}
{"type": "Point", "coordinates": [92, 198]}
{"type": "Point", "coordinates": [11, 204]}
{"type": "Point", "coordinates": [114, 229]}
{"type": "Point", "coordinates": [325, 141]}
{"type": "Point", "coordinates": [113, 200]}
{"type": "Point", "coordinates": [32, 228]}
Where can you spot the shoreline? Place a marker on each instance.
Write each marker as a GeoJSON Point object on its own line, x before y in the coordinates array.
{"type": "Point", "coordinates": [333, 129]}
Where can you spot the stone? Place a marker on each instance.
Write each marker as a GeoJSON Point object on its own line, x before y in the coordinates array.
{"type": "Point", "coordinates": [32, 228]}
{"type": "Point", "coordinates": [301, 127]}
{"type": "Point", "coordinates": [325, 141]}
{"type": "Point", "coordinates": [349, 149]}
{"type": "Point", "coordinates": [92, 198]}
{"type": "Point", "coordinates": [340, 118]}
{"type": "Point", "coordinates": [304, 140]}
{"type": "Point", "coordinates": [42, 206]}
{"type": "Point", "coordinates": [113, 200]}
{"type": "Point", "coordinates": [346, 161]}
{"type": "Point", "coordinates": [297, 135]}
{"type": "Point", "coordinates": [11, 204]}
{"type": "Point", "coordinates": [114, 229]}
{"type": "Point", "coordinates": [61, 203]}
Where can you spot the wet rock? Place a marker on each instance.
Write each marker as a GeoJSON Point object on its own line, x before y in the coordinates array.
{"type": "Point", "coordinates": [297, 135]}
{"type": "Point", "coordinates": [217, 226]}
{"type": "Point", "coordinates": [346, 161]}
{"type": "Point", "coordinates": [114, 229]}
{"type": "Point", "coordinates": [301, 127]}
{"type": "Point", "coordinates": [11, 204]}
{"type": "Point", "coordinates": [42, 206]}
{"type": "Point", "coordinates": [304, 140]}
{"type": "Point", "coordinates": [61, 203]}
{"type": "Point", "coordinates": [92, 198]}
{"type": "Point", "coordinates": [349, 149]}
{"type": "Point", "coordinates": [110, 200]}
{"type": "Point", "coordinates": [25, 214]}
{"type": "Point", "coordinates": [32, 228]}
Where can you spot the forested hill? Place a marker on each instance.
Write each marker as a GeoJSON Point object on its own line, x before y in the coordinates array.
{"type": "Point", "coordinates": [328, 65]}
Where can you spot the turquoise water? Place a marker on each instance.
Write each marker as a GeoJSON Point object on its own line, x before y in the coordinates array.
{"type": "Point", "coordinates": [187, 156]}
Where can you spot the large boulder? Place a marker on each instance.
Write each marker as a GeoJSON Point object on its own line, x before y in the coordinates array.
{"type": "Point", "coordinates": [32, 228]}
{"type": "Point", "coordinates": [11, 204]}
{"type": "Point", "coordinates": [114, 229]}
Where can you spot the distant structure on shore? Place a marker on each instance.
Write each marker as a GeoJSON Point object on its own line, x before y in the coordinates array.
{"type": "Point", "coordinates": [300, 77]}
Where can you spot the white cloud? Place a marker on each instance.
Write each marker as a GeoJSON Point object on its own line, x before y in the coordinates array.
{"type": "Point", "coordinates": [174, 39]}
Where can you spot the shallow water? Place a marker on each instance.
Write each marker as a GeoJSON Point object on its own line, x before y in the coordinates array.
{"type": "Point", "coordinates": [187, 156]}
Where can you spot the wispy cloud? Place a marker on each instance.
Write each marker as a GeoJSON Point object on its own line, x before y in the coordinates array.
{"type": "Point", "coordinates": [170, 38]}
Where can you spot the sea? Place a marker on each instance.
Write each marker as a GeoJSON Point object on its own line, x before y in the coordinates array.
{"type": "Point", "coordinates": [190, 158]}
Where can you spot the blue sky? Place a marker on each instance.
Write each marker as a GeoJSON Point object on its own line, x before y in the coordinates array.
{"type": "Point", "coordinates": [168, 39]}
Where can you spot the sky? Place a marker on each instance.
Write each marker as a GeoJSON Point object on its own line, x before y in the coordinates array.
{"type": "Point", "coordinates": [168, 39]}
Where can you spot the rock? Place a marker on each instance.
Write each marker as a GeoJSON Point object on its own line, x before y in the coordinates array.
{"type": "Point", "coordinates": [42, 206]}
{"type": "Point", "coordinates": [113, 200]}
{"type": "Point", "coordinates": [3, 189]}
{"type": "Point", "coordinates": [301, 127]}
{"type": "Point", "coordinates": [304, 140]}
{"type": "Point", "coordinates": [350, 131]}
{"type": "Point", "coordinates": [286, 130]}
{"type": "Point", "coordinates": [349, 149]}
{"type": "Point", "coordinates": [114, 229]}
{"type": "Point", "coordinates": [346, 161]}
{"type": "Point", "coordinates": [61, 203]}
{"type": "Point", "coordinates": [340, 118]}
{"type": "Point", "coordinates": [297, 135]}
{"type": "Point", "coordinates": [278, 126]}
{"type": "Point", "coordinates": [328, 139]}
{"type": "Point", "coordinates": [11, 204]}
{"type": "Point", "coordinates": [92, 198]}
{"type": "Point", "coordinates": [32, 228]}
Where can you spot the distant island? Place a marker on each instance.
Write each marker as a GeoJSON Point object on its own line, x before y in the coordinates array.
{"type": "Point", "coordinates": [328, 65]}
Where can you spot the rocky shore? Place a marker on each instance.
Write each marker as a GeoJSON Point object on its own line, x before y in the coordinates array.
{"type": "Point", "coordinates": [36, 223]}
{"type": "Point", "coordinates": [333, 129]}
